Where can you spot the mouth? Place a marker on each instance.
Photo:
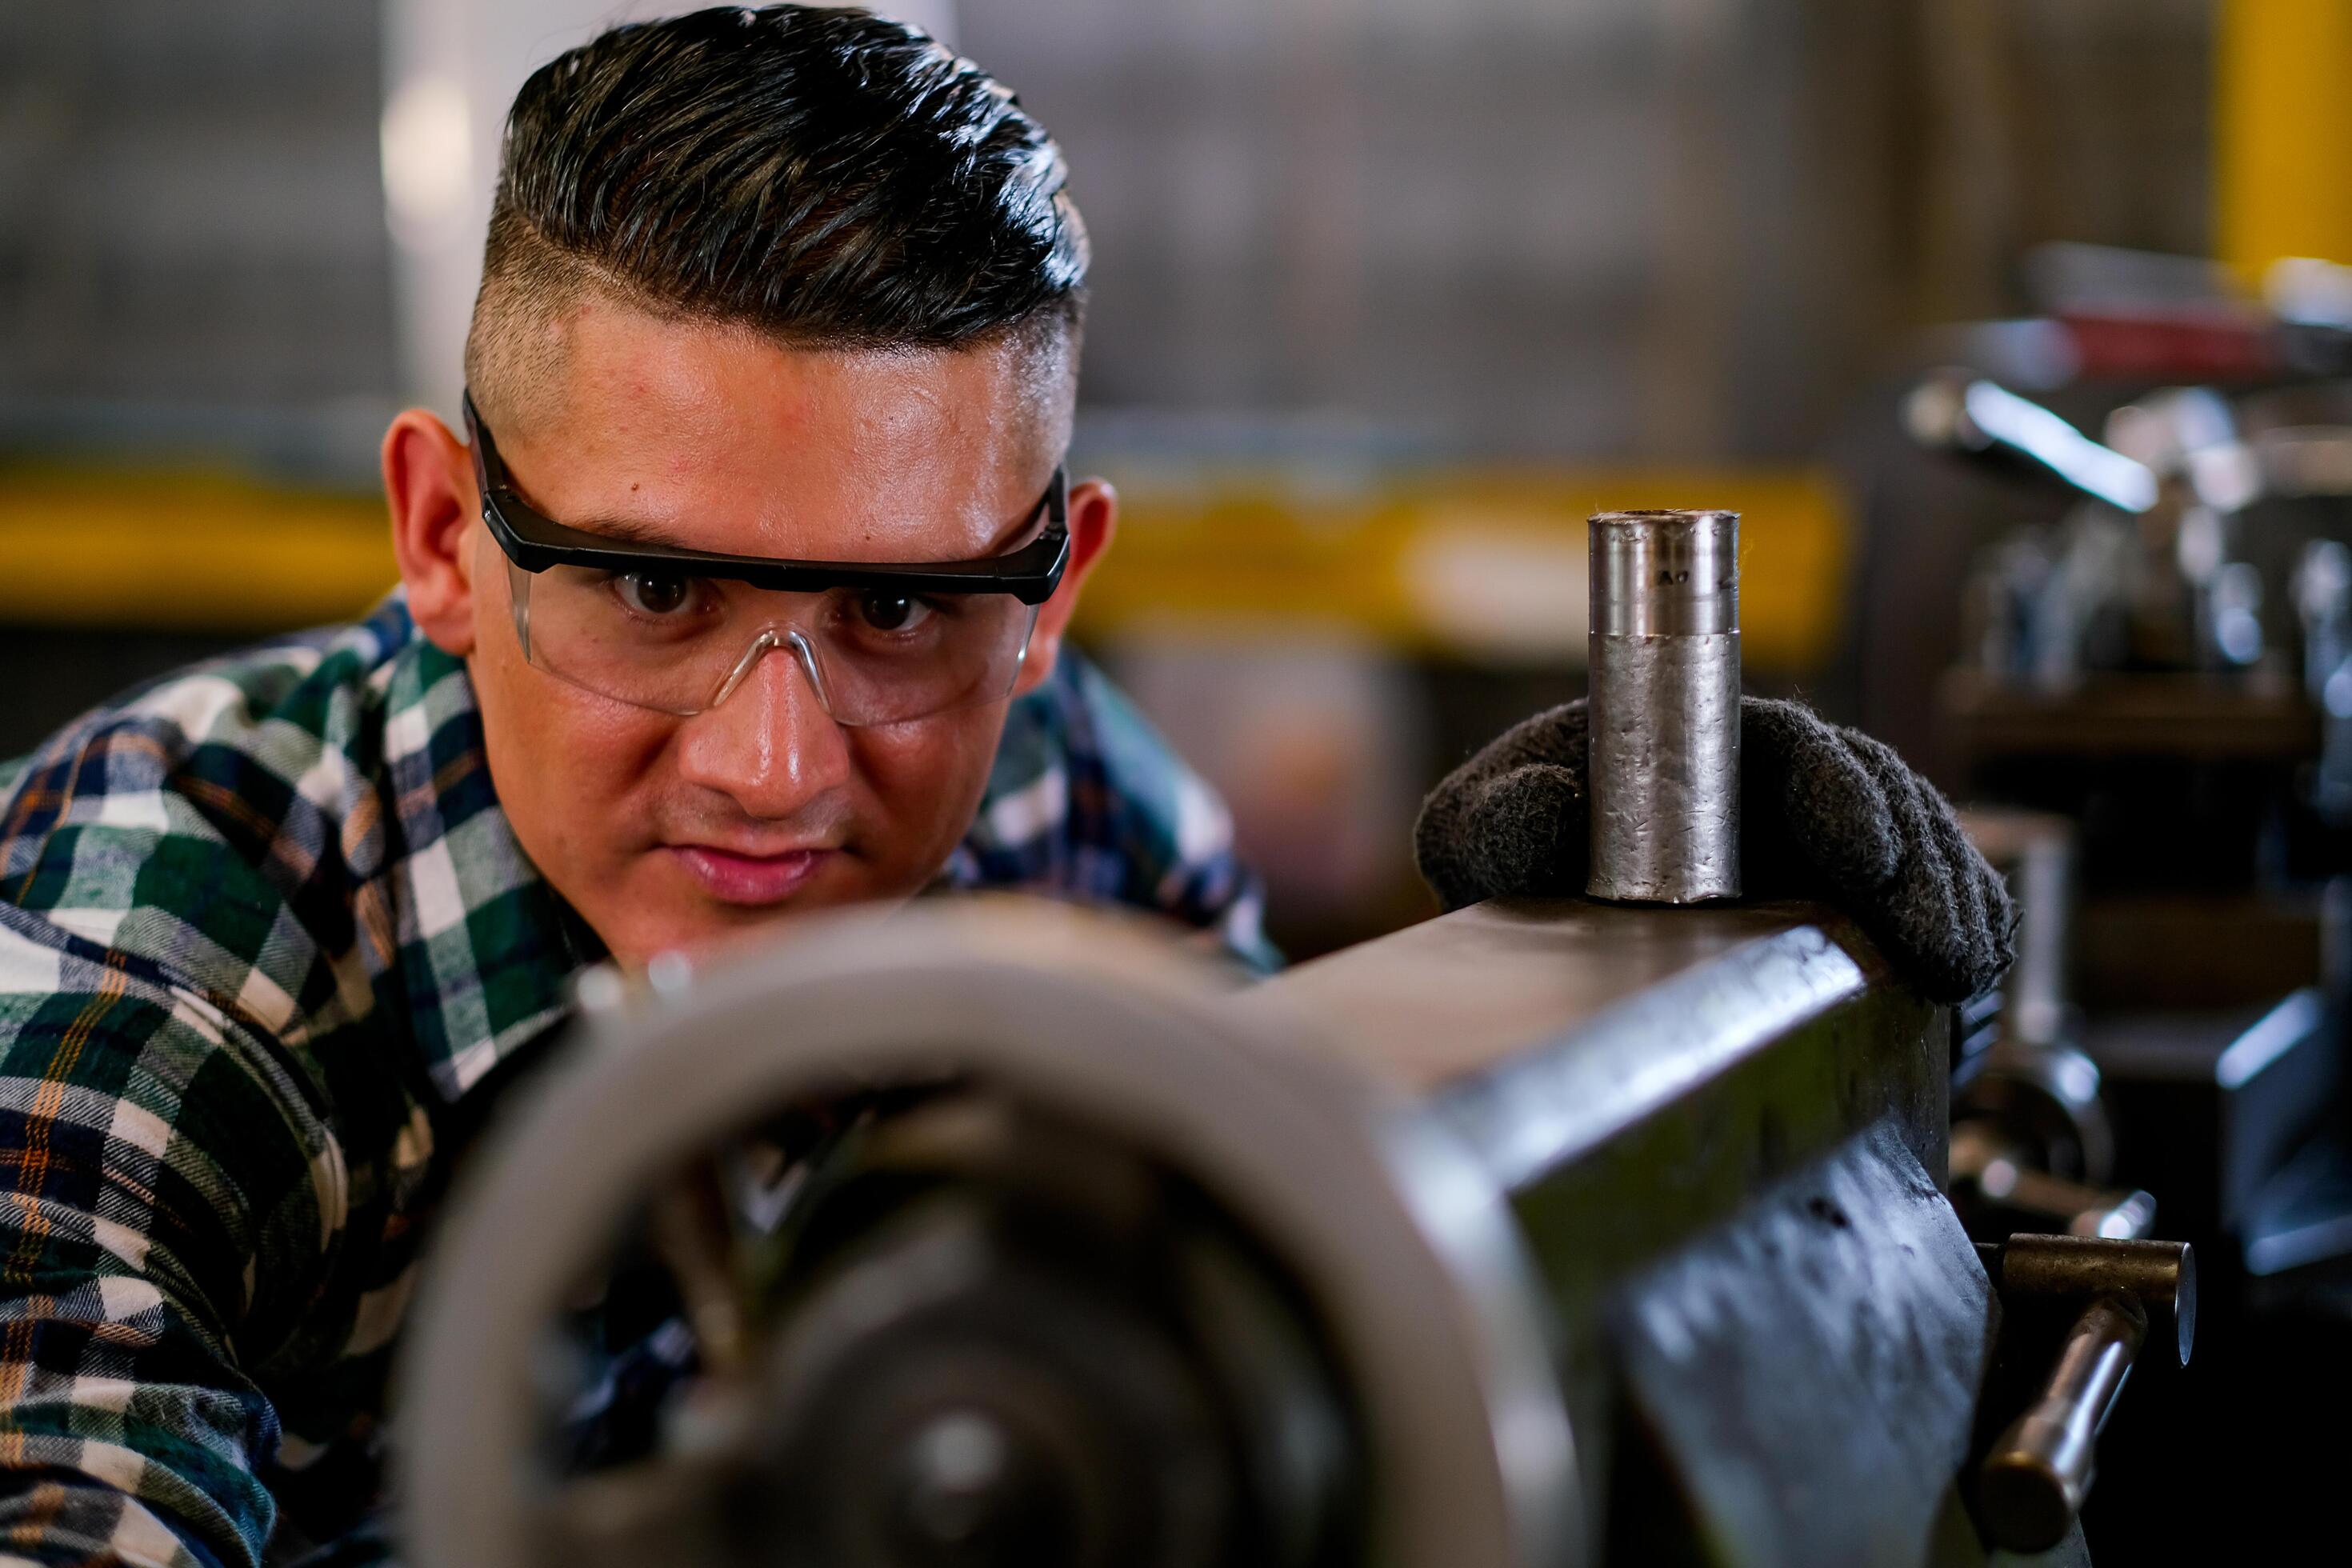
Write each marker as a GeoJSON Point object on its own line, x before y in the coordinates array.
{"type": "Point", "coordinates": [734, 877]}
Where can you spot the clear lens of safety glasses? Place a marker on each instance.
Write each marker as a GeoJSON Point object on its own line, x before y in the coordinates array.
{"type": "Point", "coordinates": [681, 644]}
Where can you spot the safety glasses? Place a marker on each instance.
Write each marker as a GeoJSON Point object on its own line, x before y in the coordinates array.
{"type": "Point", "coordinates": [677, 630]}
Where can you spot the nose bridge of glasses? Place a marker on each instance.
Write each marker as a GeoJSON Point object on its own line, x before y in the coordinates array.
{"type": "Point", "coordinates": [769, 639]}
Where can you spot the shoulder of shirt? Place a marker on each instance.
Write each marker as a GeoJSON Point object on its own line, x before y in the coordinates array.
{"type": "Point", "coordinates": [182, 823]}
{"type": "Point", "coordinates": [1079, 765]}
{"type": "Point", "coordinates": [130, 1082]}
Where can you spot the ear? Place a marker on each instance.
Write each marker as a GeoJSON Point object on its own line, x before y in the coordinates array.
{"type": "Point", "coordinates": [428, 480]}
{"type": "Point", "coordinates": [1094, 518]}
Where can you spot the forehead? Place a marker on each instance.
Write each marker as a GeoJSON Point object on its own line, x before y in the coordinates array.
{"type": "Point", "coordinates": [718, 438]}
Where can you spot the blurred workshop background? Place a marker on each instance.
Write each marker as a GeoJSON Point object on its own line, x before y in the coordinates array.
{"type": "Point", "coordinates": [2019, 330]}
{"type": "Point", "coordinates": [1389, 295]}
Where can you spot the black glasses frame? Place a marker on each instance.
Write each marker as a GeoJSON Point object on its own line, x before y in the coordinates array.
{"type": "Point", "coordinates": [535, 542]}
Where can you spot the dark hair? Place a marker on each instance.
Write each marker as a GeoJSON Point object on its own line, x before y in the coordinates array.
{"type": "Point", "coordinates": [818, 173]}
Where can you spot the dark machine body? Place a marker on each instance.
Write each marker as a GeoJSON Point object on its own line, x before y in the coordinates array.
{"type": "Point", "coordinates": [1723, 1134]}
{"type": "Point", "coordinates": [1538, 1233]}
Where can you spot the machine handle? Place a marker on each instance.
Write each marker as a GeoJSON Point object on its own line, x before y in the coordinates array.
{"type": "Point", "coordinates": [2039, 1469]}
{"type": "Point", "coordinates": [2033, 1481]}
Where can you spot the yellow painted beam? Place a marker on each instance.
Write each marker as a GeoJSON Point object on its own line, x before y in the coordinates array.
{"type": "Point", "coordinates": [2283, 133]}
{"type": "Point", "coordinates": [202, 553]}
{"type": "Point", "coordinates": [1484, 564]}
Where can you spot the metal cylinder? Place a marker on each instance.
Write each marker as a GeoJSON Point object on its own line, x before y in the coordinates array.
{"type": "Point", "coordinates": [1664, 709]}
{"type": "Point", "coordinates": [2033, 1482]}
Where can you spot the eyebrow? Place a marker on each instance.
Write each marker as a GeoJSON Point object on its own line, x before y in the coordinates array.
{"type": "Point", "coordinates": [626, 530]}
{"type": "Point", "coordinates": [656, 536]}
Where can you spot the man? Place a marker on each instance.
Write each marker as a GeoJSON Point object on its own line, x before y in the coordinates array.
{"type": "Point", "coordinates": [743, 592]}
{"type": "Point", "coordinates": [796, 286]}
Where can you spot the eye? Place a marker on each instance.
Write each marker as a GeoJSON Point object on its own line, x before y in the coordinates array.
{"type": "Point", "coordinates": [892, 612]}
{"type": "Point", "coordinates": [657, 595]}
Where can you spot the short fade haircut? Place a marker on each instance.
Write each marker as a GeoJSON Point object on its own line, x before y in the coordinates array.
{"type": "Point", "coordinates": [818, 174]}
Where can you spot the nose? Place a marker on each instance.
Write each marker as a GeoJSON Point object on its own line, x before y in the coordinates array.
{"type": "Point", "coordinates": [769, 745]}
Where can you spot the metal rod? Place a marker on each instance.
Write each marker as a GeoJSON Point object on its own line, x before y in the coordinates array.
{"type": "Point", "coordinates": [2034, 1480]}
{"type": "Point", "coordinates": [1664, 708]}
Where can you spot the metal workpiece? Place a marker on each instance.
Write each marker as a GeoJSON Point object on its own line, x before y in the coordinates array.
{"type": "Point", "coordinates": [1664, 705]}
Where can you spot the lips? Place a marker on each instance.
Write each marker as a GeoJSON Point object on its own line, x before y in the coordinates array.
{"type": "Point", "coordinates": [738, 878]}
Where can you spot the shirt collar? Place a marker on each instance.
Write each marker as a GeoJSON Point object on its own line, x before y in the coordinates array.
{"type": "Point", "coordinates": [487, 951]}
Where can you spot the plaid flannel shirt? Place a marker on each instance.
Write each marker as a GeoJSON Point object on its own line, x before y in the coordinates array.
{"type": "Point", "coordinates": [266, 938]}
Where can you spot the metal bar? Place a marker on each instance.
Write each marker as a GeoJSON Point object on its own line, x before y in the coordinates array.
{"type": "Point", "coordinates": [2039, 1470]}
{"type": "Point", "coordinates": [1665, 772]}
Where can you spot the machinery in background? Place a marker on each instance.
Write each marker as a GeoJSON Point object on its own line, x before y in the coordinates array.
{"type": "Point", "coordinates": [2166, 665]}
{"type": "Point", "coordinates": [2160, 679]}
{"type": "Point", "coordinates": [2034, 1148]}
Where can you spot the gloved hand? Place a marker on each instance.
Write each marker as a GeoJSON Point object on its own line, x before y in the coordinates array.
{"type": "Point", "coordinates": [1826, 812]}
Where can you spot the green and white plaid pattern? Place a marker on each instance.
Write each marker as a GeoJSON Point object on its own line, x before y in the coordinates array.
{"type": "Point", "coordinates": [265, 941]}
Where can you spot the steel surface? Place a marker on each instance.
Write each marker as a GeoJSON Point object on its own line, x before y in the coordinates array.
{"type": "Point", "coordinates": [1630, 1076]}
{"type": "Point", "coordinates": [1463, 994]}
{"type": "Point", "coordinates": [1811, 1369]}
{"type": "Point", "coordinates": [1466, 1143]}
{"type": "Point", "coordinates": [2040, 1466]}
{"type": "Point", "coordinates": [1664, 762]}
{"type": "Point", "coordinates": [1405, 1248]}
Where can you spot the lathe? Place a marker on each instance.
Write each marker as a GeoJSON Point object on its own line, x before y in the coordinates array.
{"type": "Point", "coordinates": [1544, 1233]}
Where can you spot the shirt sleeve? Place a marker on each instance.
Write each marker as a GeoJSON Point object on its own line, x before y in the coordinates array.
{"type": "Point", "coordinates": [167, 1193]}
{"type": "Point", "coordinates": [1088, 801]}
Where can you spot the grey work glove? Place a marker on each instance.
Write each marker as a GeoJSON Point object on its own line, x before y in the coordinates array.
{"type": "Point", "coordinates": [1826, 812]}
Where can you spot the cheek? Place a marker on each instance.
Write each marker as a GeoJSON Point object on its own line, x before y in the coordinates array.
{"type": "Point", "coordinates": [569, 767]}
{"type": "Point", "coordinates": [927, 776]}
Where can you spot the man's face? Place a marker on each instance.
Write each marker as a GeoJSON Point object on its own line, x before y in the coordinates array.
{"type": "Point", "coordinates": [666, 832]}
